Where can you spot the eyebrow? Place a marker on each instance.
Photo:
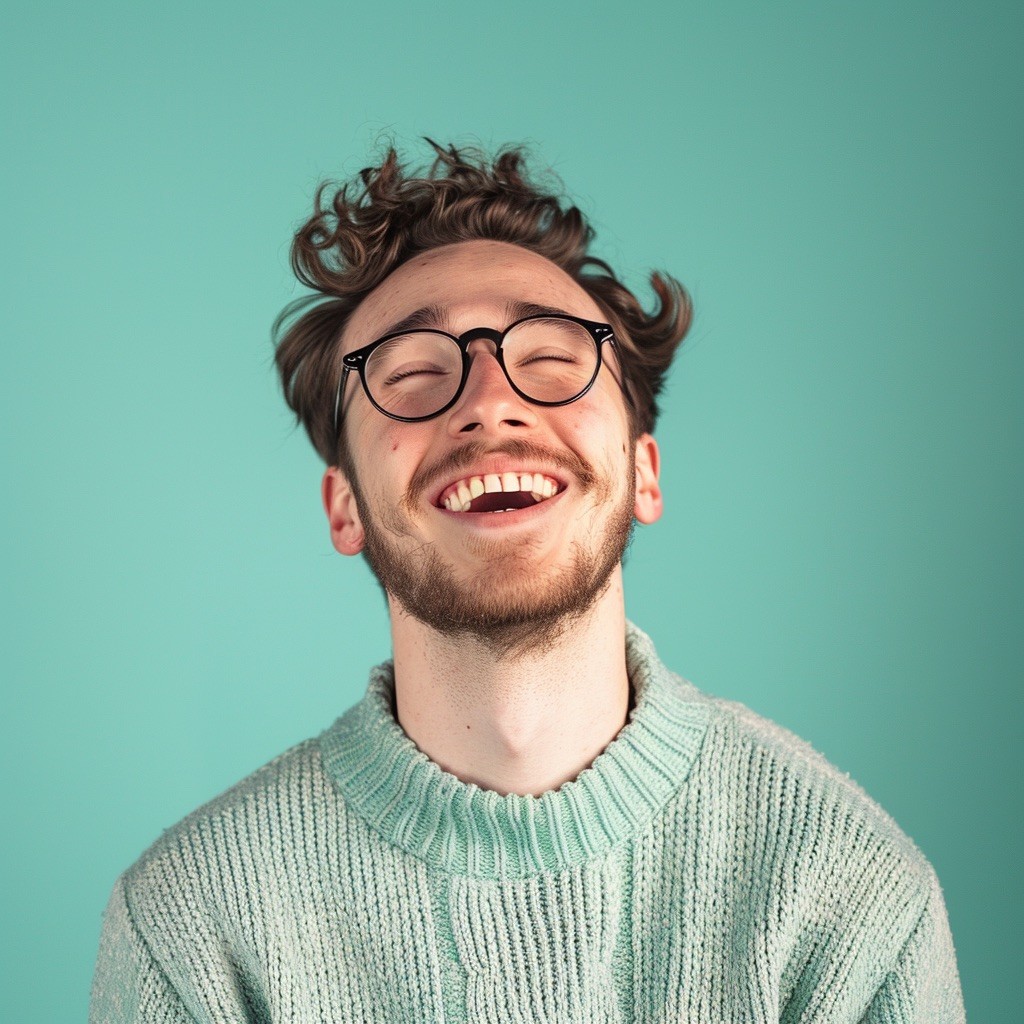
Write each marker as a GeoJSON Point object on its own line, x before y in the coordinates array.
{"type": "Point", "coordinates": [516, 310]}
{"type": "Point", "coordinates": [436, 316]}
{"type": "Point", "coordinates": [426, 316]}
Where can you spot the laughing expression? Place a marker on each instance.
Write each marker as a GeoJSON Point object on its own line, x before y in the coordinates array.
{"type": "Point", "coordinates": [498, 513]}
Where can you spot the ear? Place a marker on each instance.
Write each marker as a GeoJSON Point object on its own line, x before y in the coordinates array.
{"type": "Point", "coordinates": [342, 513]}
{"type": "Point", "coordinates": [648, 506]}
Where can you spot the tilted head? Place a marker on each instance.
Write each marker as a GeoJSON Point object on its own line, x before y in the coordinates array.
{"type": "Point", "coordinates": [482, 391]}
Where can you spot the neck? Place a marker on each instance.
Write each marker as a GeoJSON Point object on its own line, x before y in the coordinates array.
{"type": "Point", "coordinates": [523, 723]}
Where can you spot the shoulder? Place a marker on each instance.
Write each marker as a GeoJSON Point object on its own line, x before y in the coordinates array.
{"type": "Point", "coordinates": [801, 854]}
{"type": "Point", "coordinates": [771, 744]}
{"type": "Point", "coordinates": [250, 829]}
{"type": "Point", "coordinates": [791, 798]}
{"type": "Point", "coordinates": [752, 775]}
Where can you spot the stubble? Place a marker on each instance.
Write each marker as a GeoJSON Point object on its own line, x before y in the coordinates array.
{"type": "Point", "coordinates": [507, 606]}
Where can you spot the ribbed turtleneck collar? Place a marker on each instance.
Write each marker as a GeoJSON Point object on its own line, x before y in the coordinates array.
{"type": "Point", "coordinates": [463, 829]}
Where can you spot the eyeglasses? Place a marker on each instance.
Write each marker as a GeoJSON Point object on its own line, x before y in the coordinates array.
{"type": "Point", "coordinates": [548, 359]}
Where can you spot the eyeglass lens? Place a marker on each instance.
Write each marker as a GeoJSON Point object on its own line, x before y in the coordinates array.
{"type": "Point", "coordinates": [418, 374]}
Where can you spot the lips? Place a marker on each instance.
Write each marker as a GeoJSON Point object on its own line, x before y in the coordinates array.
{"type": "Point", "coordinates": [515, 473]}
{"type": "Point", "coordinates": [498, 492]}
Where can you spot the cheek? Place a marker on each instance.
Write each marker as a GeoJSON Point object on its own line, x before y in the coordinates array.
{"type": "Point", "coordinates": [389, 456]}
{"type": "Point", "coordinates": [376, 451]}
{"type": "Point", "coordinates": [603, 431]}
{"type": "Point", "coordinates": [602, 439]}
{"type": "Point", "coordinates": [374, 433]}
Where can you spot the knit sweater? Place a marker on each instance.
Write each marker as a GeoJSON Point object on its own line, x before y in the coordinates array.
{"type": "Point", "coordinates": [708, 866]}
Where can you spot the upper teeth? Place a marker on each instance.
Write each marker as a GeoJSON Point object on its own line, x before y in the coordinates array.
{"type": "Point", "coordinates": [458, 496]}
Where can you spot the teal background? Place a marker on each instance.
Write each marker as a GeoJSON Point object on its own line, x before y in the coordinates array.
{"type": "Point", "coordinates": [839, 186]}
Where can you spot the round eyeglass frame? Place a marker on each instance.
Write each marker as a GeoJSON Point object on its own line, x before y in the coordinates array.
{"type": "Point", "coordinates": [357, 360]}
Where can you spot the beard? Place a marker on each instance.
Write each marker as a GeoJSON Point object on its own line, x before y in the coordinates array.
{"type": "Point", "coordinates": [506, 606]}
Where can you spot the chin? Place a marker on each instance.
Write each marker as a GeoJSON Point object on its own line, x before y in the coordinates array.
{"type": "Point", "coordinates": [508, 606]}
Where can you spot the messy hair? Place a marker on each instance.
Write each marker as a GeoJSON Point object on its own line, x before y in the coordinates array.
{"type": "Point", "coordinates": [362, 230]}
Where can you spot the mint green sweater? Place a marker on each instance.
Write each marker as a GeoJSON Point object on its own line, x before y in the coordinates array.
{"type": "Point", "coordinates": [709, 866]}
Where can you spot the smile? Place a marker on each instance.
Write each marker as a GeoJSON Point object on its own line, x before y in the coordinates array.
{"type": "Point", "coordinates": [498, 492]}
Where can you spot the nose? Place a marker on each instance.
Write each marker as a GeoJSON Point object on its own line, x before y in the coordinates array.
{"type": "Point", "coordinates": [488, 402]}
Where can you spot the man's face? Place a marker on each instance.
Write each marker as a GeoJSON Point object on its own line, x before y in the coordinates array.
{"type": "Point", "coordinates": [511, 578]}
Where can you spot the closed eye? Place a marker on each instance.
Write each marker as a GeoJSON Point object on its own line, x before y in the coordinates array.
{"type": "Point", "coordinates": [558, 355]}
{"type": "Point", "coordinates": [416, 371]}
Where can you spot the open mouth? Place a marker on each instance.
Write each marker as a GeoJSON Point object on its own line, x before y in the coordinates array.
{"type": "Point", "coordinates": [498, 492]}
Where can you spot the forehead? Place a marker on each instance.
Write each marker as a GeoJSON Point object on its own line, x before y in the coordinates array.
{"type": "Point", "coordinates": [468, 281]}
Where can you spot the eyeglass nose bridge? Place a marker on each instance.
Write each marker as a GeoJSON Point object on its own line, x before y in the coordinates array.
{"type": "Point", "coordinates": [487, 333]}
{"type": "Point", "coordinates": [481, 334]}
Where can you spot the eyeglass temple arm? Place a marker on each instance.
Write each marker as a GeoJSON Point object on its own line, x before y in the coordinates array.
{"type": "Point", "coordinates": [612, 340]}
{"type": "Point", "coordinates": [337, 399]}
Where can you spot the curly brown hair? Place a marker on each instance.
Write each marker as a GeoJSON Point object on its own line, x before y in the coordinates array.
{"type": "Point", "coordinates": [371, 225]}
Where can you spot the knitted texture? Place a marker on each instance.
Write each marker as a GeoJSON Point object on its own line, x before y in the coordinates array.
{"type": "Point", "coordinates": [708, 866]}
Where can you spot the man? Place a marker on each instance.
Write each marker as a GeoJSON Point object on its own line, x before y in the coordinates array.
{"type": "Point", "coordinates": [527, 817]}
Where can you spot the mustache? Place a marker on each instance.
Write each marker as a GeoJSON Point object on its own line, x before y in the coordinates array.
{"type": "Point", "coordinates": [517, 448]}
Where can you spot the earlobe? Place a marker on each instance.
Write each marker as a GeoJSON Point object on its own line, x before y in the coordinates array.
{"type": "Point", "coordinates": [342, 512]}
{"type": "Point", "coordinates": [648, 505]}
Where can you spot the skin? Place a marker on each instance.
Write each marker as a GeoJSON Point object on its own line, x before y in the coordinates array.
{"type": "Point", "coordinates": [520, 717]}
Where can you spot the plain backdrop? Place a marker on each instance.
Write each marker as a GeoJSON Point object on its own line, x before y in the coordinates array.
{"type": "Point", "coordinates": [839, 186]}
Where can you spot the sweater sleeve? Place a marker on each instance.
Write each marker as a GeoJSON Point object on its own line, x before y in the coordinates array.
{"type": "Point", "coordinates": [129, 986]}
{"type": "Point", "coordinates": [924, 986]}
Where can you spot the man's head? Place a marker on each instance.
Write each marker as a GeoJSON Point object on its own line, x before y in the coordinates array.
{"type": "Point", "coordinates": [472, 248]}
